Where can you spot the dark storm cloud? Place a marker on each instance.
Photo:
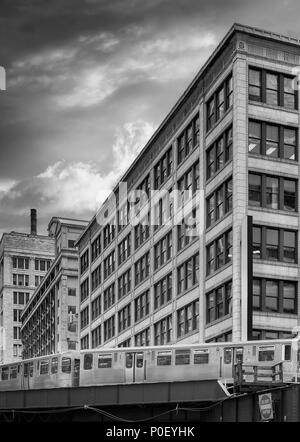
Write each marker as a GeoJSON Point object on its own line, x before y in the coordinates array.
{"type": "Point", "coordinates": [86, 77]}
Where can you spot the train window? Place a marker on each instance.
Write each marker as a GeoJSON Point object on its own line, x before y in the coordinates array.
{"type": "Point", "coordinates": [105, 361]}
{"type": "Point", "coordinates": [66, 365]}
{"type": "Point", "coordinates": [182, 357]}
{"type": "Point", "coordinates": [4, 375]}
{"type": "Point", "coordinates": [13, 372]}
{"type": "Point", "coordinates": [201, 356]}
{"type": "Point", "coordinates": [44, 367]}
{"type": "Point", "coordinates": [88, 361]}
{"type": "Point", "coordinates": [227, 355]}
{"type": "Point", "coordinates": [25, 370]}
{"type": "Point", "coordinates": [129, 360]}
{"type": "Point", "coordinates": [287, 352]}
{"type": "Point", "coordinates": [54, 365]}
{"type": "Point", "coordinates": [164, 358]}
{"type": "Point", "coordinates": [266, 353]}
{"type": "Point", "coordinates": [239, 355]}
{"type": "Point", "coordinates": [31, 369]}
{"type": "Point", "coordinates": [139, 360]}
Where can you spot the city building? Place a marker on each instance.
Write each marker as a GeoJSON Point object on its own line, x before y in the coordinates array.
{"type": "Point", "coordinates": [50, 318]}
{"type": "Point", "coordinates": [232, 139]}
{"type": "Point", "coordinates": [24, 262]}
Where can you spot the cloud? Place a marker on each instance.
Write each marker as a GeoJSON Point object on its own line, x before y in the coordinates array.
{"type": "Point", "coordinates": [78, 188]}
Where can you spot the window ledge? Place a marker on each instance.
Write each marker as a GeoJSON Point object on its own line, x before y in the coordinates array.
{"type": "Point", "coordinates": [179, 295]}
{"type": "Point", "coordinates": [275, 314]}
{"type": "Point", "coordinates": [216, 272]}
{"type": "Point", "coordinates": [217, 321]}
{"type": "Point", "coordinates": [208, 132]}
{"type": "Point", "coordinates": [270, 106]}
{"type": "Point", "coordinates": [269, 158]}
{"type": "Point", "coordinates": [212, 226]}
{"type": "Point", "coordinates": [275, 263]}
{"type": "Point", "coordinates": [274, 211]}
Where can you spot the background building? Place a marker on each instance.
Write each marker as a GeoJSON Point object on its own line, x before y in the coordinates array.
{"type": "Point", "coordinates": [50, 318]}
{"type": "Point", "coordinates": [233, 136]}
{"type": "Point", "coordinates": [24, 261]}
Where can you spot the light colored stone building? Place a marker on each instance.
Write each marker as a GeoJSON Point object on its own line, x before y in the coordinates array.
{"type": "Point", "coordinates": [50, 318]}
{"type": "Point", "coordinates": [232, 138]}
{"type": "Point", "coordinates": [24, 261]}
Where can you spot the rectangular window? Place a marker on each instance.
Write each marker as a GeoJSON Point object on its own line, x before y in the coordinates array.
{"type": "Point", "coordinates": [275, 89]}
{"type": "Point", "coordinates": [96, 307]}
{"type": "Point", "coordinates": [96, 277]}
{"type": "Point", "coordinates": [84, 318]}
{"type": "Point", "coordinates": [219, 203]}
{"type": "Point", "coordinates": [141, 306]}
{"type": "Point", "coordinates": [124, 284]}
{"type": "Point", "coordinates": [274, 244]}
{"type": "Point", "coordinates": [163, 291]}
{"type": "Point", "coordinates": [219, 252]}
{"type": "Point", "coordinates": [219, 153]}
{"type": "Point", "coordinates": [142, 268]}
{"type": "Point", "coordinates": [96, 337]}
{"type": "Point", "coordinates": [142, 231]}
{"type": "Point", "coordinates": [272, 192]}
{"type": "Point", "coordinates": [96, 247]}
{"type": "Point", "coordinates": [219, 103]}
{"type": "Point", "coordinates": [142, 339]}
{"type": "Point", "coordinates": [163, 169]}
{"type": "Point", "coordinates": [123, 216]}
{"type": "Point", "coordinates": [84, 261]}
{"type": "Point", "coordinates": [188, 274]}
{"type": "Point", "coordinates": [20, 263]}
{"type": "Point", "coordinates": [109, 233]}
{"type": "Point", "coordinates": [219, 302]}
{"type": "Point", "coordinates": [163, 331]}
{"type": "Point", "coordinates": [84, 290]}
{"type": "Point", "coordinates": [109, 297]}
{"type": "Point", "coordinates": [109, 328]}
{"type": "Point", "coordinates": [124, 318]}
{"type": "Point", "coordinates": [124, 249]}
{"type": "Point", "coordinates": [109, 264]}
{"type": "Point", "coordinates": [275, 295]}
{"type": "Point", "coordinates": [163, 251]}
{"type": "Point", "coordinates": [188, 319]}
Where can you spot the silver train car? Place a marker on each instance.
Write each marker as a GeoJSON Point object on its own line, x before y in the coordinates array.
{"type": "Point", "coordinates": [150, 364]}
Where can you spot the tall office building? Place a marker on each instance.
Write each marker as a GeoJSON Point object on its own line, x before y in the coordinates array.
{"type": "Point", "coordinates": [50, 318]}
{"type": "Point", "coordinates": [24, 261]}
{"type": "Point", "coordinates": [232, 140]}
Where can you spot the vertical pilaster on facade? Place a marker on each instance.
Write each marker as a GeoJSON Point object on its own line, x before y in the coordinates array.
{"type": "Point", "coordinates": [240, 185]}
{"type": "Point", "coordinates": [201, 224]}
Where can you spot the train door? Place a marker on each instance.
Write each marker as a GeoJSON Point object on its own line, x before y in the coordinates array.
{"type": "Point", "coordinates": [134, 367]}
{"type": "Point", "coordinates": [228, 362]}
{"type": "Point", "coordinates": [25, 376]}
{"type": "Point", "coordinates": [76, 373]}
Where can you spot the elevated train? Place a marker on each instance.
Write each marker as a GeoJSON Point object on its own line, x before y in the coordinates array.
{"type": "Point", "coordinates": [150, 364]}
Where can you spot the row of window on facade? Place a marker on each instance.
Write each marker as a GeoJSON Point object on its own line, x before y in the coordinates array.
{"type": "Point", "coordinates": [187, 322]}
{"type": "Point", "coordinates": [22, 263]}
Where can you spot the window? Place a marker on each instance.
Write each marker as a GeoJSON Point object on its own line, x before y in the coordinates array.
{"type": "Point", "coordinates": [42, 265]}
{"type": "Point", "coordinates": [275, 295]}
{"type": "Point", "coordinates": [54, 365]}
{"type": "Point", "coordinates": [96, 277]}
{"type": "Point", "coordinates": [161, 212]}
{"type": "Point", "coordinates": [163, 331]}
{"type": "Point", "coordinates": [20, 263]}
{"type": "Point", "coordinates": [142, 231]}
{"type": "Point", "coordinates": [141, 306]}
{"type": "Point", "coordinates": [142, 339]}
{"type": "Point", "coordinates": [124, 284]}
{"type": "Point", "coordinates": [17, 334]}
{"type": "Point", "coordinates": [272, 140]}
{"type": "Point", "coordinates": [188, 184]}
{"type": "Point", "coordinates": [124, 318]}
{"type": "Point", "coordinates": [109, 264]}
{"type": "Point", "coordinates": [272, 192]}
{"type": "Point", "coordinates": [266, 354]}
{"type": "Point", "coordinates": [109, 296]}
{"type": "Point", "coordinates": [164, 358]}
{"type": "Point", "coordinates": [105, 361]}
{"type": "Point", "coordinates": [274, 244]}
{"type": "Point", "coordinates": [84, 261]}
{"type": "Point", "coordinates": [71, 244]}
{"type": "Point", "coordinates": [188, 274]}
{"type": "Point", "coordinates": [126, 343]}
{"type": "Point", "coordinates": [144, 186]}
{"type": "Point", "coordinates": [109, 232]}
{"type": "Point", "coordinates": [188, 140]}
{"type": "Point", "coordinates": [88, 361]}
{"type": "Point", "coordinates": [186, 230]}
{"type": "Point", "coordinates": [96, 337]}
{"type": "Point", "coordinates": [123, 216]}
{"type": "Point", "coordinates": [84, 342]}
{"type": "Point", "coordinates": [142, 268]}
{"type": "Point", "coordinates": [84, 290]}
{"type": "Point", "coordinates": [84, 317]}
{"type": "Point", "coordinates": [17, 315]}
{"type": "Point", "coordinates": [96, 307]}
{"type": "Point", "coordinates": [275, 89]}
{"type": "Point", "coordinates": [219, 252]}
{"type": "Point", "coordinates": [124, 249]}
{"type": "Point", "coordinates": [44, 367]}
{"type": "Point", "coordinates": [255, 87]}
{"type": "Point", "coordinates": [21, 280]}
{"type": "Point", "coordinates": [163, 169]}
{"type": "Point", "coordinates": [219, 302]}
{"type": "Point", "coordinates": [219, 153]}
{"type": "Point", "coordinates": [96, 247]}
{"type": "Point", "coordinates": [66, 365]}
{"type": "Point", "coordinates": [219, 203]}
{"type": "Point", "coordinates": [188, 319]}
{"type": "Point", "coordinates": [163, 291]}
{"type": "Point", "coordinates": [201, 356]}
{"type": "Point", "coordinates": [20, 298]}
{"type": "Point", "coordinates": [109, 328]}
{"type": "Point", "coordinates": [218, 104]}
{"type": "Point", "coordinates": [163, 251]}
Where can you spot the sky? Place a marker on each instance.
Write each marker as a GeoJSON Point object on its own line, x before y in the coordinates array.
{"type": "Point", "coordinates": [87, 84]}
